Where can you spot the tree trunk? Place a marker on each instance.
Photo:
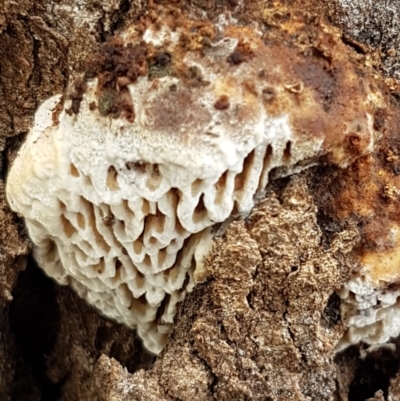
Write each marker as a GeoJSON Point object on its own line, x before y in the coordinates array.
{"type": "Point", "coordinates": [267, 322]}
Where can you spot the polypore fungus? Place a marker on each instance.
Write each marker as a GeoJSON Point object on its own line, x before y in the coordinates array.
{"type": "Point", "coordinates": [178, 125]}
{"type": "Point", "coordinates": [368, 196]}
{"type": "Point", "coordinates": [371, 299]}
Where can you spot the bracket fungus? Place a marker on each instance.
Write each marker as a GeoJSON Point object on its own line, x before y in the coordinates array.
{"type": "Point", "coordinates": [177, 125]}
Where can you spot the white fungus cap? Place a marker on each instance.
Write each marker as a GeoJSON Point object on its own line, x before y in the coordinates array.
{"type": "Point", "coordinates": [122, 208]}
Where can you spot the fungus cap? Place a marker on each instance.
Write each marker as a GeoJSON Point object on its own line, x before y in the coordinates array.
{"type": "Point", "coordinates": [177, 130]}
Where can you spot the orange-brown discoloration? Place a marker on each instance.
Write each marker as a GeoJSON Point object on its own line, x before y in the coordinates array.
{"type": "Point", "coordinates": [368, 194]}
{"type": "Point", "coordinates": [300, 67]}
{"type": "Point", "coordinates": [169, 112]}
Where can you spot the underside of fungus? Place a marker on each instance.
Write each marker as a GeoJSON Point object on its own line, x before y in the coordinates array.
{"type": "Point", "coordinates": [177, 126]}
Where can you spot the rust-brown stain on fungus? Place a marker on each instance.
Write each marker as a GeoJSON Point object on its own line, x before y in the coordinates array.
{"type": "Point", "coordinates": [367, 194]}
{"type": "Point", "coordinates": [193, 120]}
{"type": "Point", "coordinates": [222, 103]}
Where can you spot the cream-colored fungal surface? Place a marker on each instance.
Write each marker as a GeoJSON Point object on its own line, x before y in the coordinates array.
{"type": "Point", "coordinates": [371, 300]}
{"type": "Point", "coordinates": [367, 196]}
{"type": "Point", "coordinates": [371, 314]}
{"type": "Point", "coordinates": [179, 125]}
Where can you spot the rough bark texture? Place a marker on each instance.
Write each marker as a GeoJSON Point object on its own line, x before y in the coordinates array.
{"type": "Point", "coordinates": [61, 337]}
{"type": "Point", "coordinates": [375, 25]}
{"type": "Point", "coordinates": [265, 325]}
{"type": "Point", "coordinates": [42, 44]}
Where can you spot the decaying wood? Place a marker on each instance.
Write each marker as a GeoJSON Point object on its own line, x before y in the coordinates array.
{"type": "Point", "coordinates": [266, 323]}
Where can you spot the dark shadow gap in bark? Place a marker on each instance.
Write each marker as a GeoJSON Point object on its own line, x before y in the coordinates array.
{"type": "Point", "coordinates": [373, 371]}
{"type": "Point", "coordinates": [331, 315]}
{"type": "Point", "coordinates": [118, 16]}
{"type": "Point", "coordinates": [34, 317]}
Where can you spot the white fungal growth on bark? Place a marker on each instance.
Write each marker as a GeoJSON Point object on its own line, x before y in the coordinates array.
{"type": "Point", "coordinates": [122, 209]}
{"type": "Point", "coordinates": [371, 300]}
{"type": "Point", "coordinates": [371, 314]}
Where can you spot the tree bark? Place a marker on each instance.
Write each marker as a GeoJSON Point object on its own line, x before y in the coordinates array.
{"type": "Point", "coordinates": [266, 323]}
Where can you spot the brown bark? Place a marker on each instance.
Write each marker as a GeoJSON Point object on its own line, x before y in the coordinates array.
{"type": "Point", "coordinates": [263, 327]}
{"type": "Point", "coordinates": [42, 44]}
